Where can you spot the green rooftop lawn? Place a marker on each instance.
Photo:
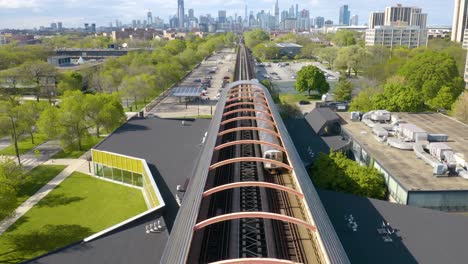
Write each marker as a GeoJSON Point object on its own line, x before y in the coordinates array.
{"type": "Point", "coordinates": [24, 145]}
{"type": "Point", "coordinates": [77, 208]}
{"type": "Point", "coordinates": [38, 177]}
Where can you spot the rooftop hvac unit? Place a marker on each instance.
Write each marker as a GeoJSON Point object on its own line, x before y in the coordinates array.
{"type": "Point", "coordinates": [439, 150]}
{"type": "Point", "coordinates": [381, 115]}
{"type": "Point", "coordinates": [412, 132]}
{"type": "Point", "coordinates": [355, 116]}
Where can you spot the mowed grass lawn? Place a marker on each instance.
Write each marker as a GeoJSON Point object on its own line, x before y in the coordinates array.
{"type": "Point", "coordinates": [291, 99]}
{"type": "Point", "coordinates": [24, 145]}
{"type": "Point", "coordinates": [74, 154]}
{"type": "Point", "coordinates": [79, 207]}
{"type": "Point", "coordinates": [37, 178]}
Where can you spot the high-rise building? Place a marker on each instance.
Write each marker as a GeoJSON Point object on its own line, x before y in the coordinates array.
{"type": "Point", "coordinates": [191, 14]}
{"type": "Point", "coordinates": [59, 26]}
{"type": "Point", "coordinates": [376, 19]}
{"type": "Point", "coordinates": [344, 15]}
{"type": "Point", "coordinates": [134, 23]}
{"type": "Point", "coordinates": [296, 14]}
{"type": "Point", "coordinates": [277, 17]}
{"type": "Point", "coordinates": [291, 12]}
{"type": "Point", "coordinates": [149, 16]}
{"type": "Point", "coordinates": [460, 17]}
{"type": "Point", "coordinates": [246, 18]}
{"type": "Point", "coordinates": [319, 21]}
{"type": "Point", "coordinates": [392, 36]}
{"type": "Point", "coordinates": [93, 28]}
{"type": "Point", "coordinates": [328, 23]}
{"type": "Point", "coordinates": [354, 20]}
{"type": "Point", "coordinates": [222, 16]}
{"type": "Point", "coordinates": [405, 16]}
{"type": "Point", "coordinates": [403, 26]}
{"type": "Point", "coordinates": [303, 21]}
{"type": "Point", "coordinates": [53, 26]}
{"type": "Point", "coordinates": [180, 13]}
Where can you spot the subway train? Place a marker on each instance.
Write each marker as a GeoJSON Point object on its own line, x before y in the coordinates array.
{"type": "Point", "coordinates": [268, 152]}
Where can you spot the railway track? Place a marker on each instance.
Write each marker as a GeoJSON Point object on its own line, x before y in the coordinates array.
{"type": "Point", "coordinates": [248, 237]}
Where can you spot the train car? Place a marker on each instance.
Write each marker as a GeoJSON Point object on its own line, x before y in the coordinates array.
{"type": "Point", "coordinates": [268, 152]}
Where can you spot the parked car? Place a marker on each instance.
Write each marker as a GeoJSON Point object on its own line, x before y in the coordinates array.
{"type": "Point", "coordinates": [274, 73]}
{"type": "Point", "coordinates": [197, 80]}
{"type": "Point", "coordinates": [293, 77]}
{"type": "Point", "coordinates": [304, 102]}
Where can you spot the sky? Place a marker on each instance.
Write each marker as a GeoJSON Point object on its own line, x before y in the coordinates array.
{"type": "Point", "coordinates": [74, 13]}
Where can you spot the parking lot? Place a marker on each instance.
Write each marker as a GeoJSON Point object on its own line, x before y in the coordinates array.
{"type": "Point", "coordinates": [215, 69]}
{"type": "Point", "coordinates": [283, 75]}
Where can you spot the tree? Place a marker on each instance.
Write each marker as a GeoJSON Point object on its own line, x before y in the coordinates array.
{"type": "Point", "coordinates": [428, 71]}
{"type": "Point", "coordinates": [344, 38]}
{"type": "Point", "coordinates": [460, 108]}
{"type": "Point", "coordinates": [40, 73]}
{"type": "Point", "coordinates": [254, 37]}
{"type": "Point", "coordinates": [328, 54]}
{"type": "Point", "coordinates": [343, 90]}
{"type": "Point", "coordinates": [364, 101]}
{"type": "Point", "coordinates": [69, 81]}
{"type": "Point", "coordinates": [72, 118]}
{"type": "Point", "coordinates": [399, 96]}
{"type": "Point", "coordinates": [139, 86]}
{"type": "Point", "coordinates": [104, 110]}
{"type": "Point", "coordinates": [11, 174]}
{"type": "Point", "coordinates": [311, 78]}
{"type": "Point", "coordinates": [9, 117]}
{"type": "Point", "coordinates": [28, 112]}
{"type": "Point", "coordinates": [266, 51]}
{"type": "Point", "coordinates": [48, 122]}
{"type": "Point", "coordinates": [338, 173]}
{"type": "Point", "coordinates": [310, 50]}
{"type": "Point", "coordinates": [351, 58]}
{"type": "Point", "coordinates": [112, 114]}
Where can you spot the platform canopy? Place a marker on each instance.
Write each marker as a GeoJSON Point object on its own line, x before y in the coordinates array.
{"type": "Point", "coordinates": [187, 91]}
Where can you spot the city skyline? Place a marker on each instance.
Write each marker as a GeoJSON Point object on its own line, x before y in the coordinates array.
{"type": "Point", "coordinates": [36, 13]}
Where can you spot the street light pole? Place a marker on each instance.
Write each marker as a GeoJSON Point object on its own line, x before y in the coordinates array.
{"type": "Point", "coordinates": [15, 138]}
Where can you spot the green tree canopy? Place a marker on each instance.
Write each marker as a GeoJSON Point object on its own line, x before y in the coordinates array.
{"type": "Point", "coordinates": [266, 51]}
{"type": "Point", "coordinates": [338, 173]}
{"type": "Point", "coordinates": [344, 38]}
{"type": "Point", "coordinates": [364, 101]}
{"type": "Point", "coordinates": [254, 37]}
{"type": "Point", "coordinates": [351, 58]}
{"type": "Point", "coordinates": [399, 96]}
{"type": "Point", "coordinates": [343, 90]}
{"type": "Point", "coordinates": [69, 81]}
{"type": "Point", "coordinates": [428, 71]}
{"type": "Point", "coordinates": [11, 178]}
{"type": "Point", "coordinates": [310, 78]}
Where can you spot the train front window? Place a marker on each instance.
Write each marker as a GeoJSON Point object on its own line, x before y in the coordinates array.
{"type": "Point", "coordinates": [267, 156]}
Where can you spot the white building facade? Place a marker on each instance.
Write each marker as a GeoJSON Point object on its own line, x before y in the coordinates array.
{"type": "Point", "coordinates": [388, 36]}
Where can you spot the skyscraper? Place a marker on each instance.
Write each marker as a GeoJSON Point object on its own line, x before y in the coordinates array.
{"type": "Point", "coordinates": [291, 12]}
{"type": "Point", "coordinates": [191, 14]}
{"type": "Point", "coordinates": [297, 11]}
{"type": "Point", "coordinates": [354, 20]}
{"type": "Point", "coordinates": [149, 16]}
{"type": "Point", "coordinates": [460, 17]}
{"type": "Point", "coordinates": [376, 19]}
{"type": "Point", "coordinates": [277, 14]}
{"type": "Point", "coordinates": [405, 16]}
{"type": "Point", "coordinates": [222, 16]}
{"type": "Point", "coordinates": [319, 21]}
{"type": "Point", "coordinates": [344, 15]}
{"type": "Point", "coordinates": [180, 13]}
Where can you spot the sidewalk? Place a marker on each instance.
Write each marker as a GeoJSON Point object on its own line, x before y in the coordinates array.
{"type": "Point", "coordinates": [73, 165]}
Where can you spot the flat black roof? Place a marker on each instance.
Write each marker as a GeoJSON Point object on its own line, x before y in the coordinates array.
{"type": "Point", "coordinates": [171, 150]}
{"type": "Point", "coordinates": [169, 147]}
{"type": "Point", "coordinates": [128, 244]}
{"type": "Point", "coordinates": [422, 235]}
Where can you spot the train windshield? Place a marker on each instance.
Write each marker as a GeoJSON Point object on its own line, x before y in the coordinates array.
{"type": "Point", "coordinates": [267, 156]}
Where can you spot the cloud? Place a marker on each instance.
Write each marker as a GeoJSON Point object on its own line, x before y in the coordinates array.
{"type": "Point", "coordinates": [18, 4]}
